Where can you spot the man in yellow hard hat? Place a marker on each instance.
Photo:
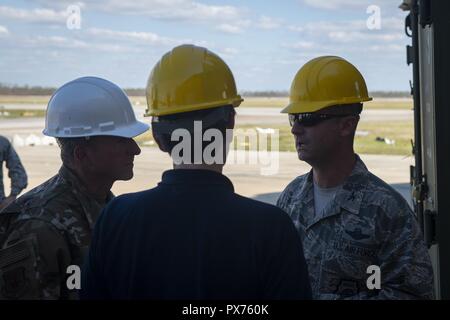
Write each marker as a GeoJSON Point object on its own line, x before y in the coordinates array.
{"type": "Point", "coordinates": [360, 237]}
{"type": "Point", "coordinates": [193, 237]}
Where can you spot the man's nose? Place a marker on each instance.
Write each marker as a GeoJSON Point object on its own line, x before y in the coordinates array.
{"type": "Point", "coordinates": [133, 147]}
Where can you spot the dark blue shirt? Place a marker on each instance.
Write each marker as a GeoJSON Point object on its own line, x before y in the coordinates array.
{"type": "Point", "coordinates": [192, 237]}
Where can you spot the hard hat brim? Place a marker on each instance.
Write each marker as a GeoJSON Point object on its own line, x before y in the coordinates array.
{"type": "Point", "coordinates": [130, 131]}
{"type": "Point", "coordinates": [313, 106]}
{"type": "Point", "coordinates": [235, 102]}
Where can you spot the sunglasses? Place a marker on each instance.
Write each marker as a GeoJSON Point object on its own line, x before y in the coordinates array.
{"type": "Point", "coordinates": [312, 119]}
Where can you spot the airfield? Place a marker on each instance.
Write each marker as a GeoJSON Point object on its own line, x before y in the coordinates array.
{"type": "Point", "coordinates": [42, 161]}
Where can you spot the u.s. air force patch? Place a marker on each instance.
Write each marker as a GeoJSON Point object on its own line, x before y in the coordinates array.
{"type": "Point", "coordinates": [14, 283]}
{"type": "Point", "coordinates": [17, 264]}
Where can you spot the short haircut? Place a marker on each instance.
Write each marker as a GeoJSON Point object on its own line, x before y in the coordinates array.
{"type": "Point", "coordinates": [353, 109]}
{"type": "Point", "coordinates": [67, 146]}
{"type": "Point", "coordinates": [213, 118]}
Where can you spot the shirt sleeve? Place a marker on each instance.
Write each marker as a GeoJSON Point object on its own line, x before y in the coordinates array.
{"type": "Point", "coordinates": [16, 171]}
{"type": "Point", "coordinates": [37, 256]}
{"type": "Point", "coordinates": [405, 264]}
{"type": "Point", "coordinates": [283, 200]}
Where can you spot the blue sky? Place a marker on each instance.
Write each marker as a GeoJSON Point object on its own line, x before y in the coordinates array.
{"type": "Point", "coordinates": [263, 42]}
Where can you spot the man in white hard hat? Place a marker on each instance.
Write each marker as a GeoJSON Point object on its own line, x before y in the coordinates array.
{"type": "Point", "coordinates": [45, 234]}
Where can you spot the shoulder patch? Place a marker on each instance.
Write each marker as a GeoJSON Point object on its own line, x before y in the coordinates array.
{"type": "Point", "coordinates": [18, 270]}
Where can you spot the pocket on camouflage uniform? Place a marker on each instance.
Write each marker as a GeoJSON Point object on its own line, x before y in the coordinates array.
{"type": "Point", "coordinates": [18, 270]}
{"type": "Point", "coordinates": [344, 266]}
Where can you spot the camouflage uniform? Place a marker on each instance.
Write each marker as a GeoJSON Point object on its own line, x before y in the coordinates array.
{"type": "Point", "coordinates": [50, 230]}
{"type": "Point", "coordinates": [367, 223]}
{"type": "Point", "coordinates": [16, 171]}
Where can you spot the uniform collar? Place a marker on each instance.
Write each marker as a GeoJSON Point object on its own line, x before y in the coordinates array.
{"type": "Point", "coordinates": [352, 192]}
{"type": "Point", "coordinates": [197, 177]}
{"type": "Point", "coordinates": [349, 197]}
{"type": "Point", "coordinates": [91, 206]}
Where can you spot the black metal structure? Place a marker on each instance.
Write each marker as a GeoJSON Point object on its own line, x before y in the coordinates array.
{"type": "Point", "coordinates": [429, 26]}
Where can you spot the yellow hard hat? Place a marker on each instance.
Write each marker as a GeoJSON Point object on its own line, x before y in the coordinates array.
{"type": "Point", "coordinates": [190, 78]}
{"type": "Point", "coordinates": [323, 82]}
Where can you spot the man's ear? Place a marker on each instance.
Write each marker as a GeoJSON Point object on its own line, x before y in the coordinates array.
{"type": "Point", "coordinates": [79, 153]}
{"type": "Point", "coordinates": [160, 142]}
{"type": "Point", "coordinates": [348, 125]}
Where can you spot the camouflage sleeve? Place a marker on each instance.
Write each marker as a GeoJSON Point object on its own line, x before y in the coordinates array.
{"type": "Point", "coordinates": [283, 199]}
{"type": "Point", "coordinates": [33, 262]}
{"type": "Point", "coordinates": [16, 171]}
{"type": "Point", "coordinates": [405, 265]}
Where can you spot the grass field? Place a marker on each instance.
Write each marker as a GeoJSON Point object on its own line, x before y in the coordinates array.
{"type": "Point", "coordinates": [399, 131]}
{"type": "Point", "coordinates": [398, 104]}
{"type": "Point", "coordinates": [249, 102]}
{"type": "Point", "coordinates": [9, 99]}
{"type": "Point", "coordinates": [19, 113]}
{"type": "Point", "coordinates": [24, 99]}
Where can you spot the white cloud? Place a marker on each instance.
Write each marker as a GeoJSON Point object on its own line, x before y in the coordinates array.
{"type": "Point", "coordinates": [199, 43]}
{"type": "Point", "coordinates": [347, 4]}
{"type": "Point", "coordinates": [231, 51]}
{"type": "Point", "coordinates": [229, 28]}
{"type": "Point", "coordinates": [159, 9]}
{"type": "Point", "coordinates": [227, 52]}
{"type": "Point", "coordinates": [34, 15]}
{"type": "Point", "coordinates": [295, 62]}
{"type": "Point", "coordinates": [332, 4]}
{"type": "Point", "coordinates": [268, 23]}
{"type": "Point", "coordinates": [3, 31]}
{"type": "Point", "coordinates": [172, 9]}
{"type": "Point", "coordinates": [258, 69]}
{"type": "Point", "coordinates": [390, 47]}
{"type": "Point", "coordinates": [300, 45]}
{"type": "Point", "coordinates": [145, 37]}
{"type": "Point", "coordinates": [351, 31]}
{"type": "Point", "coordinates": [393, 23]}
{"type": "Point", "coordinates": [55, 43]}
{"type": "Point", "coordinates": [346, 37]}
{"type": "Point", "coordinates": [60, 4]}
{"type": "Point", "coordinates": [320, 27]}
{"type": "Point", "coordinates": [235, 27]}
{"type": "Point", "coordinates": [296, 28]}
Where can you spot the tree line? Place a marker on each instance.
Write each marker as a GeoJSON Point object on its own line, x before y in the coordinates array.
{"type": "Point", "coordinates": [47, 91]}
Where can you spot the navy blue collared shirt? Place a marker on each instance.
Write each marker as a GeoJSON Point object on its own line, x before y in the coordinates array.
{"type": "Point", "coordinates": [192, 237]}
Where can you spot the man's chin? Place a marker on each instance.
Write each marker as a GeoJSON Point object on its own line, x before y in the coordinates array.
{"type": "Point", "coordinates": [126, 176]}
{"type": "Point", "coordinates": [301, 155]}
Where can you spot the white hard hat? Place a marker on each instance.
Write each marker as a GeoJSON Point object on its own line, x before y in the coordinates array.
{"type": "Point", "coordinates": [91, 106]}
